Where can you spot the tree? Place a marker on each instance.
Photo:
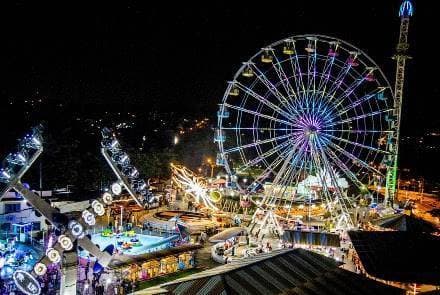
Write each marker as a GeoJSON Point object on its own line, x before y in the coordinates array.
{"type": "Point", "coordinates": [154, 162]}
{"type": "Point", "coordinates": [195, 147]}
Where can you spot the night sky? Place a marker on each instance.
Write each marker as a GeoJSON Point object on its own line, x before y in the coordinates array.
{"type": "Point", "coordinates": [178, 57]}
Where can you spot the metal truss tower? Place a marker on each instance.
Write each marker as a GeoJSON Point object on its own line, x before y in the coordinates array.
{"type": "Point", "coordinates": [406, 10]}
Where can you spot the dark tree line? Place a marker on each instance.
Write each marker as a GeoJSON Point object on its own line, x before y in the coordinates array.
{"type": "Point", "coordinates": [69, 159]}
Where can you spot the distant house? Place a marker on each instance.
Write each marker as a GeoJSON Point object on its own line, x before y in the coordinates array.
{"type": "Point", "coordinates": [17, 216]}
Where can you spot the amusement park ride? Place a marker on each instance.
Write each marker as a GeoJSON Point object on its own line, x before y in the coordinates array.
{"type": "Point", "coordinates": [306, 107]}
{"type": "Point", "coordinates": [127, 174]}
{"type": "Point", "coordinates": [405, 12]}
{"type": "Point", "coordinates": [195, 186]}
{"type": "Point", "coordinates": [73, 230]}
{"type": "Point", "coordinates": [313, 106]}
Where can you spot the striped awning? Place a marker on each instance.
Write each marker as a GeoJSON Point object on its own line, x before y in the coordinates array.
{"type": "Point", "coordinates": [292, 271]}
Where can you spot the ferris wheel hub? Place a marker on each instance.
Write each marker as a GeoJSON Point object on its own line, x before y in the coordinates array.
{"type": "Point", "coordinates": [311, 130]}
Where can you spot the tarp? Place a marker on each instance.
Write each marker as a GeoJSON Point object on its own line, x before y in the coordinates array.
{"type": "Point", "coordinates": [227, 234]}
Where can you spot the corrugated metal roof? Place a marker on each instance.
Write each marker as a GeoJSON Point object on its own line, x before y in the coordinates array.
{"type": "Point", "coordinates": [403, 222]}
{"type": "Point", "coordinates": [399, 256]}
{"type": "Point", "coordinates": [288, 271]}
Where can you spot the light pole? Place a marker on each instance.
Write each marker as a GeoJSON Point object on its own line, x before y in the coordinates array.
{"type": "Point", "coordinates": [121, 227]}
{"type": "Point", "coordinates": [212, 166]}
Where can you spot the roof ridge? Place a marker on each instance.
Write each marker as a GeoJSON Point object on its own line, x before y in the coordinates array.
{"type": "Point", "coordinates": [233, 266]}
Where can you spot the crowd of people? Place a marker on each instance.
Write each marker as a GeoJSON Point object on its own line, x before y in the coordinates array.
{"type": "Point", "coordinates": [91, 283]}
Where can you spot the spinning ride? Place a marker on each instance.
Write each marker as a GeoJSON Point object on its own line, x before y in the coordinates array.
{"type": "Point", "coordinates": [195, 186]}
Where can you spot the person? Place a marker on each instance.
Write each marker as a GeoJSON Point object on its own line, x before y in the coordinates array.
{"type": "Point", "coordinates": [189, 206]}
{"type": "Point", "coordinates": [258, 232]}
{"type": "Point", "coordinates": [94, 284]}
{"type": "Point", "coordinates": [87, 267]}
{"type": "Point", "coordinates": [101, 289]}
{"type": "Point", "coordinates": [201, 238]}
{"type": "Point", "coordinates": [25, 258]}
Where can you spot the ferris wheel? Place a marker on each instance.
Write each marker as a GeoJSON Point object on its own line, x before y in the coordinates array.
{"type": "Point", "coordinates": [309, 109]}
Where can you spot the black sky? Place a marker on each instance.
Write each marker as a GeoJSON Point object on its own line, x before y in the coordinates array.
{"type": "Point", "coordinates": [179, 56]}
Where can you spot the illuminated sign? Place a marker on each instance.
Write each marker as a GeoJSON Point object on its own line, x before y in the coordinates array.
{"type": "Point", "coordinates": [26, 283]}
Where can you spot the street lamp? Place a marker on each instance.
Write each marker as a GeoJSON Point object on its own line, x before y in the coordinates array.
{"type": "Point", "coordinates": [212, 166]}
{"type": "Point", "coordinates": [121, 227]}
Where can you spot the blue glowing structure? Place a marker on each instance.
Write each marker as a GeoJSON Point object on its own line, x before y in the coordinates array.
{"type": "Point", "coordinates": [127, 174]}
{"type": "Point", "coordinates": [72, 230]}
{"type": "Point", "coordinates": [406, 9]}
{"type": "Point", "coordinates": [17, 163]}
{"type": "Point", "coordinates": [314, 111]}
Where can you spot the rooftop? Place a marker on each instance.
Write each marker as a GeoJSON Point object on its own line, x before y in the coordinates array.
{"type": "Point", "coordinates": [292, 271]}
{"type": "Point", "coordinates": [399, 255]}
{"type": "Point", "coordinates": [403, 222]}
